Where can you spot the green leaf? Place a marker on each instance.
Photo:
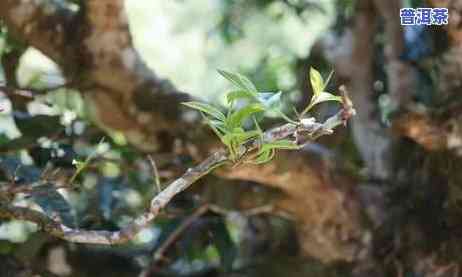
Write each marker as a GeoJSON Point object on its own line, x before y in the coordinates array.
{"type": "Point", "coordinates": [267, 150]}
{"type": "Point", "coordinates": [206, 108]}
{"type": "Point", "coordinates": [237, 118]}
{"type": "Point", "coordinates": [325, 96]}
{"type": "Point", "coordinates": [229, 140]}
{"type": "Point", "coordinates": [317, 83]}
{"type": "Point", "coordinates": [322, 97]}
{"type": "Point", "coordinates": [240, 94]}
{"type": "Point", "coordinates": [217, 127]}
{"type": "Point", "coordinates": [238, 80]}
{"type": "Point", "coordinates": [244, 136]}
{"type": "Point", "coordinates": [319, 95]}
{"type": "Point", "coordinates": [264, 156]}
{"type": "Point", "coordinates": [270, 100]}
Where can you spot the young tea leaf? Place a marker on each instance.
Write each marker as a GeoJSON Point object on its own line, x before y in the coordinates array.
{"type": "Point", "coordinates": [322, 97]}
{"type": "Point", "coordinates": [238, 80]}
{"type": "Point", "coordinates": [237, 118]}
{"type": "Point", "coordinates": [240, 94]}
{"type": "Point", "coordinates": [317, 83]}
{"type": "Point", "coordinates": [319, 95]}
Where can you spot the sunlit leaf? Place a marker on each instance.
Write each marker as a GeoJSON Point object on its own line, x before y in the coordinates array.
{"type": "Point", "coordinates": [317, 83]}
{"type": "Point", "coordinates": [325, 96]}
{"type": "Point", "coordinates": [319, 95]}
{"type": "Point", "coordinates": [206, 108]}
{"type": "Point", "coordinates": [322, 97]}
{"type": "Point", "coordinates": [238, 80]}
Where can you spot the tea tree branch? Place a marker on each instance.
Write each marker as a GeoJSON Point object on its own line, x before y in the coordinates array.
{"type": "Point", "coordinates": [292, 135]}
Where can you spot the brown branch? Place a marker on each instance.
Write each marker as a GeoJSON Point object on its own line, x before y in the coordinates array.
{"type": "Point", "coordinates": [56, 228]}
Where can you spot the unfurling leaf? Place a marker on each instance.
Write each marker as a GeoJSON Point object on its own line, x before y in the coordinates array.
{"type": "Point", "coordinates": [319, 95]}
{"type": "Point", "coordinates": [238, 80]}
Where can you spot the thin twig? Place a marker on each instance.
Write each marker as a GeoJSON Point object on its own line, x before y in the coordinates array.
{"type": "Point", "coordinates": [82, 166]}
{"type": "Point", "coordinates": [310, 129]}
{"type": "Point", "coordinates": [58, 229]}
{"type": "Point", "coordinates": [155, 173]}
{"type": "Point", "coordinates": [174, 236]}
{"type": "Point", "coordinates": [159, 254]}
